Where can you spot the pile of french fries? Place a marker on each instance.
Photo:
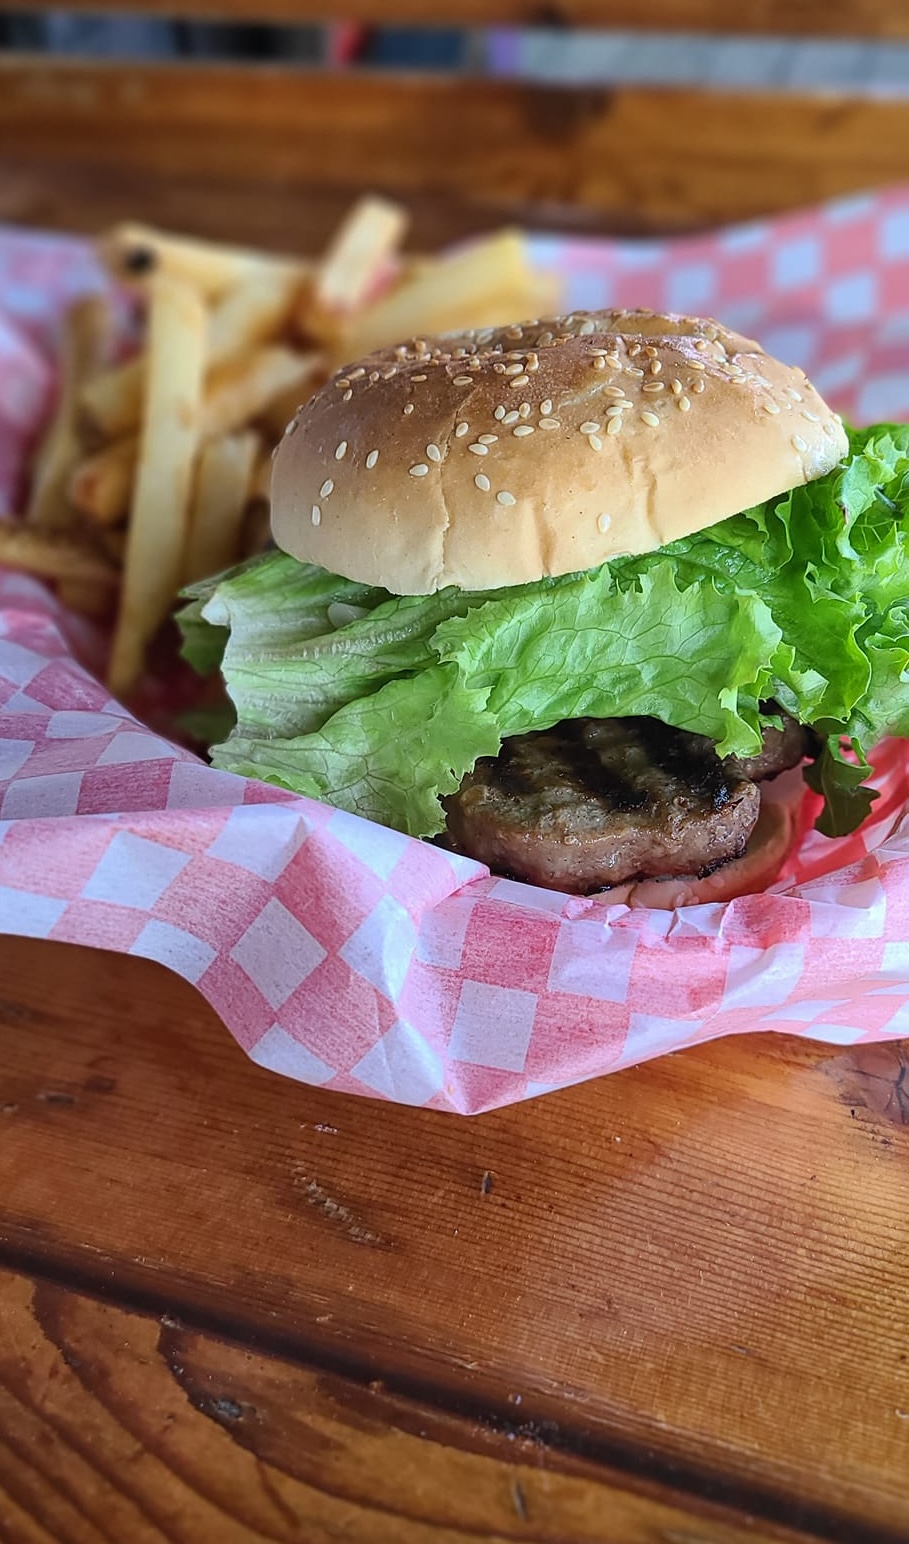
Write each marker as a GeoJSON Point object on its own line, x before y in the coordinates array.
{"type": "Point", "coordinates": [154, 470]}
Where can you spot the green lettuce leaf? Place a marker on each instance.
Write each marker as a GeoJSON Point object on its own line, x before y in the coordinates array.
{"type": "Point", "coordinates": [380, 704]}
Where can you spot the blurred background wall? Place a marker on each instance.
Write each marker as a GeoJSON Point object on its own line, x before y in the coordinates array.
{"type": "Point", "coordinates": [550, 54]}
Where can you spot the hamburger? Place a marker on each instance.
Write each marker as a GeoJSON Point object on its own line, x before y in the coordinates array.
{"type": "Point", "coordinates": [578, 597]}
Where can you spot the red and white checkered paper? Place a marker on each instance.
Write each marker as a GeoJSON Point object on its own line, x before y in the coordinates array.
{"type": "Point", "coordinates": [346, 955]}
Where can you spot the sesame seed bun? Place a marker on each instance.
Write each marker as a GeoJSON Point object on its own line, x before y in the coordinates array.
{"type": "Point", "coordinates": [504, 455]}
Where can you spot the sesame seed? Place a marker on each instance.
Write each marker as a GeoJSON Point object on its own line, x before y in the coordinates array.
{"type": "Point", "coordinates": [478, 449]}
{"type": "Point", "coordinates": [701, 345]}
{"type": "Point", "coordinates": [510, 418]}
{"type": "Point", "coordinates": [419, 377]}
{"type": "Point", "coordinates": [505, 497]}
{"type": "Point", "coordinates": [347, 395]}
{"type": "Point", "coordinates": [633, 370]}
{"type": "Point", "coordinates": [795, 395]}
{"type": "Point", "coordinates": [651, 418]}
{"type": "Point", "coordinates": [696, 364]}
{"type": "Point", "coordinates": [289, 428]}
{"type": "Point", "coordinates": [371, 460]}
{"type": "Point", "coordinates": [408, 408]}
{"type": "Point", "coordinates": [770, 407]}
{"type": "Point", "coordinates": [603, 523]}
{"type": "Point", "coordinates": [698, 385]}
{"type": "Point", "coordinates": [614, 425]}
{"type": "Point", "coordinates": [461, 429]}
{"type": "Point", "coordinates": [521, 430]}
{"type": "Point", "coordinates": [812, 417]}
{"type": "Point", "coordinates": [594, 442]}
{"type": "Point", "coordinates": [500, 413]}
{"type": "Point", "coordinates": [612, 391]}
{"type": "Point", "coordinates": [519, 380]}
{"type": "Point", "coordinates": [798, 443]}
{"type": "Point", "coordinates": [650, 351]}
{"type": "Point", "coordinates": [544, 340]}
{"type": "Point", "coordinates": [515, 369]}
{"type": "Point", "coordinates": [599, 362]}
{"type": "Point", "coordinates": [587, 327]}
{"type": "Point", "coordinates": [655, 367]}
{"type": "Point", "coordinates": [316, 515]}
{"type": "Point", "coordinates": [326, 488]}
{"type": "Point", "coordinates": [487, 439]}
{"type": "Point", "coordinates": [434, 453]}
{"type": "Point", "coordinates": [387, 374]}
{"type": "Point", "coordinates": [341, 451]}
{"type": "Point", "coordinates": [550, 423]}
{"type": "Point", "coordinates": [482, 482]}
{"type": "Point", "coordinates": [616, 410]}
{"type": "Point", "coordinates": [524, 410]}
{"type": "Point", "coordinates": [675, 386]}
{"type": "Point", "coordinates": [589, 427]}
{"type": "Point", "coordinates": [420, 470]}
{"type": "Point", "coordinates": [499, 368]}
{"type": "Point", "coordinates": [463, 380]}
{"type": "Point", "coordinates": [374, 376]}
{"type": "Point", "coordinates": [651, 387]}
{"type": "Point", "coordinates": [683, 403]}
{"type": "Point", "coordinates": [634, 351]}
{"type": "Point", "coordinates": [358, 374]}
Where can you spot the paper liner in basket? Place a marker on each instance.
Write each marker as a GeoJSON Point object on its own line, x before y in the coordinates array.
{"type": "Point", "coordinates": [346, 955]}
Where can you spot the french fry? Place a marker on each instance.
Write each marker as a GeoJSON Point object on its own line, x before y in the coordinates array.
{"type": "Point", "coordinates": [110, 406]}
{"type": "Point", "coordinates": [260, 483]}
{"type": "Point", "coordinates": [53, 554]}
{"type": "Point", "coordinates": [275, 417]}
{"type": "Point", "coordinates": [445, 297]}
{"type": "Point", "coordinates": [135, 253]}
{"type": "Point", "coordinates": [255, 530]}
{"type": "Point", "coordinates": [86, 339]}
{"type": "Point", "coordinates": [355, 260]}
{"type": "Point", "coordinates": [168, 444]}
{"type": "Point", "coordinates": [101, 485]}
{"type": "Point", "coordinates": [253, 312]}
{"type": "Point", "coordinates": [538, 297]}
{"type": "Point", "coordinates": [88, 599]}
{"type": "Point", "coordinates": [112, 541]}
{"type": "Point", "coordinates": [238, 393]}
{"type": "Point", "coordinates": [223, 478]}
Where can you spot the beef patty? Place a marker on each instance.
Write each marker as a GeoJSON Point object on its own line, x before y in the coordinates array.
{"type": "Point", "coordinates": [594, 802]}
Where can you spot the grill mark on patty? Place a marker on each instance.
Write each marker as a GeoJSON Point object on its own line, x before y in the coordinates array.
{"type": "Point", "coordinates": [685, 757]}
{"type": "Point", "coordinates": [574, 762]}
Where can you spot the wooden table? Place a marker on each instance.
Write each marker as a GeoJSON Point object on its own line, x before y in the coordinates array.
{"type": "Point", "coordinates": [668, 1307]}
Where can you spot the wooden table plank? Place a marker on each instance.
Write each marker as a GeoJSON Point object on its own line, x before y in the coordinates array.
{"type": "Point", "coordinates": [693, 1272]}
{"type": "Point", "coordinates": [675, 157]}
{"type": "Point", "coordinates": [118, 1425]}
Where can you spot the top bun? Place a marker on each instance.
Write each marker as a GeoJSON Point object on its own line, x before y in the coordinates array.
{"type": "Point", "coordinates": [504, 455]}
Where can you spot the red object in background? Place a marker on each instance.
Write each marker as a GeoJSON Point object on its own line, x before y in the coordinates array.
{"type": "Point", "coordinates": [346, 42]}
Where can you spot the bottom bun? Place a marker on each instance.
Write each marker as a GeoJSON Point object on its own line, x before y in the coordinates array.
{"type": "Point", "coordinates": [760, 864]}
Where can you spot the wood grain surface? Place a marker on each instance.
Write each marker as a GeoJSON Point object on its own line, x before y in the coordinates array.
{"type": "Point", "coordinates": [667, 158]}
{"type": "Point", "coordinates": [822, 18]}
{"type": "Point", "coordinates": [676, 1296]}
